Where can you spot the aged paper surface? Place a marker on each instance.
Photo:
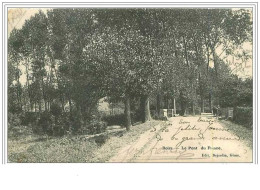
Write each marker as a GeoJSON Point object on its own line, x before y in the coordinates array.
{"type": "Point", "coordinates": [187, 139]}
{"type": "Point", "coordinates": [191, 119]}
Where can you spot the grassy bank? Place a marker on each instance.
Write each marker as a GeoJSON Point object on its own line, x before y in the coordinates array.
{"type": "Point", "coordinates": [35, 149]}
{"type": "Point", "coordinates": [245, 133]}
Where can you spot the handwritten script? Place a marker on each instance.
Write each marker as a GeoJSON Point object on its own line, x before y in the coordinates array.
{"type": "Point", "coordinates": [191, 139]}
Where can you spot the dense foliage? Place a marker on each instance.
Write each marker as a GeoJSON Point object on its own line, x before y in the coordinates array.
{"type": "Point", "coordinates": [71, 58]}
{"type": "Point", "coordinates": [244, 116]}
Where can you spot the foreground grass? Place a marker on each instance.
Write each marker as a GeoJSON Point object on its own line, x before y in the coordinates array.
{"type": "Point", "coordinates": [244, 133]}
{"type": "Point", "coordinates": [75, 149]}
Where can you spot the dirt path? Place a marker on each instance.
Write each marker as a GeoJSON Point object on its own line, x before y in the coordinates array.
{"type": "Point", "coordinates": [186, 139]}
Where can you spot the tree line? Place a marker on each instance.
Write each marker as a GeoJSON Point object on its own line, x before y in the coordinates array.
{"type": "Point", "coordinates": [71, 58]}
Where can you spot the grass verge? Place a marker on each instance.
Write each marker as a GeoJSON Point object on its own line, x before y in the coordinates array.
{"type": "Point", "coordinates": [75, 149]}
{"type": "Point", "coordinates": [244, 133]}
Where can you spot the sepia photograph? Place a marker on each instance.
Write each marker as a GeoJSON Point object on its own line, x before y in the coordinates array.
{"type": "Point", "coordinates": [130, 85]}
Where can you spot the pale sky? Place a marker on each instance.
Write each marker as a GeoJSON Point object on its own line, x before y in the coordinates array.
{"type": "Point", "coordinates": [17, 16]}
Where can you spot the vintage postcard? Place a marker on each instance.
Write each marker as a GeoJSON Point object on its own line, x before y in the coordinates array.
{"type": "Point", "coordinates": [130, 84]}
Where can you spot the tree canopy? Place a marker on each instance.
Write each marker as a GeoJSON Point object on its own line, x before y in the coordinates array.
{"type": "Point", "coordinates": [75, 57]}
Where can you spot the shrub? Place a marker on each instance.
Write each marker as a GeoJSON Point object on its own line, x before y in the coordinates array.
{"type": "Point", "coordinates": [76, 121]}
{"type": "Point", "coordinates": [13, 120]}
{"type": "Point", "coordinates": [15, 127]}
{"type": "Point", "coordinates": [58, 125]}
{"type": "Point", "coordinates": [135, 117]}
{"type": "Point", "coordinates": [45, 124]}
{"type": "Point", "coordinates": [14, 124]}
{"type": "Point", "coordinates": [114, 119]}
{"type": "Point", "coordinates": [29, 118]}
{"type": "Point", "coordinates": [96, 127]}
{"type": "Point", "coordinates": [243, 116]}
{"type": "Point", "coordinates": [163, 118]}
{"type": "Point", "coordinates": [120, 119]}
{"type": "Point", "coordinates": [55, 110]}
{"type": "Point", "coordinates": [62, 124]}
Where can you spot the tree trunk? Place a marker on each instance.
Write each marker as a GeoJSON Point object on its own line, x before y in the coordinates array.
{"type": "Point", "coordinates": [174, 106]}
{"type": "Point", "coordinates": [62, 104]}
{"type": "Point", "coordinates": [31, 106]}
{"type": "Point", "coordinates": [215, 61]}
{"type": "Point", "coordinates": [210, 103]}
{"type": "Point", "coordinates": [128, 123]}
{"type": "Point", "coordinates": [202, 105]}
{"type": "Point", "coordinates": [193, 107]}
{"type": "Point", "coordinates": [165, 105]}
{"type": "Point", "coordinates": [145, 108]}
{"type": "Point", "coordinates": [175, 47]}
{"type": "Point", "coordinates": [208, 59]}
{"type": "Point", "coordinates": [70, 104]}
{"type": "Point", "coordinates": [112, 108]}
{"type": "Point", "coordinates": [185, 52]}
{"type": "Point", "coordinates": [201, 95]}
{"type": "Point", "coordinates": [45, 105]}
{"type": "Point", "coordinates": [40, 106]}
{"type": "Point", "coordinates": [44, 95]}
{"type": "Point", "coordinates": [49, 105]}
{"type": "Point", "coordinates": [192, 101]}
{"type": "Point", "coordinates": [183, 103]}
{"type": "Point", "coordinates": [158, 100]}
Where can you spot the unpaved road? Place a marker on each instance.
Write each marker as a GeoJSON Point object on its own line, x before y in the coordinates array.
{"type": "Point", "coordinates": [186, 139]}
